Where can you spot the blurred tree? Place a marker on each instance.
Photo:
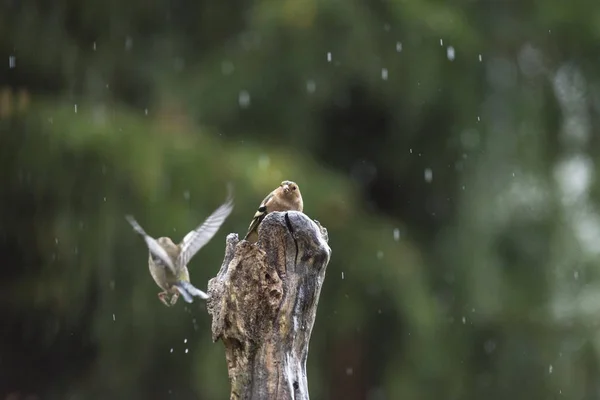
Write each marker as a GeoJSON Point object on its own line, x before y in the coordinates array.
{"type": "Point", "coordinates": [448, 147]}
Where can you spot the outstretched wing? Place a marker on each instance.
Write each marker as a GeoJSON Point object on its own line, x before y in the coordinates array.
{"type": "Point", "coordinates": [153, 246]}
{"type": "Point", "coordinates": [196, 239]}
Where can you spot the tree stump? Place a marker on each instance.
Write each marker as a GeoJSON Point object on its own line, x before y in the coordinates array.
{"type": "Point", "coordinates": [263, 304]}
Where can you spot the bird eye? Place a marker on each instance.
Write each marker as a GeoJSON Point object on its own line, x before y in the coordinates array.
{"type": "Point", "coordinates": [293, 187]}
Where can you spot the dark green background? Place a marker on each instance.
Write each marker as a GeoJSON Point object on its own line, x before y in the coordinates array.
{"type": "Point", "coordinates": [447, 146]}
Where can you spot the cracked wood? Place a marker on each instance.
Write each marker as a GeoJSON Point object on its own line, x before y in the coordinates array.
{"type": "Point", "coordinates": [263, 304]}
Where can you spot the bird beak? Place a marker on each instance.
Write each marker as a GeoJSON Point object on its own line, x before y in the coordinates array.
{"type": "Point", "coordinates": [286, 188]}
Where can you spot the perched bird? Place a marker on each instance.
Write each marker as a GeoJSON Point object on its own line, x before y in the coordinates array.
{"type": "Point", "coordinates": [286, 197]}
{"type": "Point", "coordinates": [168, 261]}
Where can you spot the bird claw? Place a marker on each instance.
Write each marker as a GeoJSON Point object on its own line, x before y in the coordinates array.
{"type": "Point", "coordinates": [162, 297]}
{"type": "Point", "coordinates": [174, 298]}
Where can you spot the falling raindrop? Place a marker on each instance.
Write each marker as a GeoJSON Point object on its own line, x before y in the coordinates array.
{"type": "Point", "coordinates": [550, 369]}
{"type": "Point", "coordinates": [480, 58]}
{"type": "Point", "coordinates": [75, 108]}
{"type": "Point", "coordinates": [114, 317]}
{"type": "Point", "coordinates": [398, 47]}
{"type": "Point", "coordinates": [128, 43]}
{"type": "Point", "coordinates": [489, 346]}
{"type": "Point", "coordinates": [384, 74]}
{"type": "Point", "coordinates": [450, 53]}
{"type": "Point", "coordinates": [311, 86]}
{"type": "Point", "coordinates": [441, 42]}
{"type": "Point", "coordinates": [146, 111]}
{"type": "Point", "coordinates": [464, 320]}
{"type": "Point", "coordinates": [379, 255]}
{"type": "Point", "coordinates": [396, 234]}
{"type": "Point", "coordinates": [184, 341]}
{"type": "Point", "coordinates": [186, 351]}
{"type": "Point", "coordinates": [342, 275]}
{"type": "Point", "coordinates": [264, 161]}
{"type": "Point", "coordinates": [428, 175]}
{"type": "Point", "coordinates": [328, 56]}
{"type": "Point", "coordinates": [244, 99]}
{"type": "Point", "coordinates": [186, 195]}
{"type": "Point", "coordinates": [12, 61]}
{"type": "Point", "coordinates": [171, 350]}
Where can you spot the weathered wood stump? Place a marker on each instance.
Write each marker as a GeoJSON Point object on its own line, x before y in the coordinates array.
{"type": "Point", "coordinates": [263, 304]}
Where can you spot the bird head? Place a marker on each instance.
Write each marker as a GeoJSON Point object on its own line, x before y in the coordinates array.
{"type": "Point", "coordinates": [290, 188]}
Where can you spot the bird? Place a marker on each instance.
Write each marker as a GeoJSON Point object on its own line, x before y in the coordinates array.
{"type": "Point", "coordinates": [286, 197]}
{"type": "Point", "coordinates": [168, 261]}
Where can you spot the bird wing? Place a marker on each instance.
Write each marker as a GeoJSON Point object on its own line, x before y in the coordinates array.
{"type": "Point", "coordinates": [259, 215]}
{"type": "Point", "coordinates": [155, 248]}
{"type": "Point", "coordinates": [196, 239]}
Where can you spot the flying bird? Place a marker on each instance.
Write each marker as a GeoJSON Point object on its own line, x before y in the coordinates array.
{"type": "Point", "coordinates": [168, 261]}
{"type": "Point", "coordinates": [286, 197]}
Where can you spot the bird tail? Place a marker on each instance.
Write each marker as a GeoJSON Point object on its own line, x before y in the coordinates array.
{"type": "Point", "coordinates": [188, 290]}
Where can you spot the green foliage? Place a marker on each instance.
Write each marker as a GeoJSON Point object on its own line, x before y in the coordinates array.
{"type": "Point", "coordinates": [448, 148]}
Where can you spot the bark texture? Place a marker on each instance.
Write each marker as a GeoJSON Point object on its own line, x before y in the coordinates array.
{"type": "Point", "coordinates": [263, 304]}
